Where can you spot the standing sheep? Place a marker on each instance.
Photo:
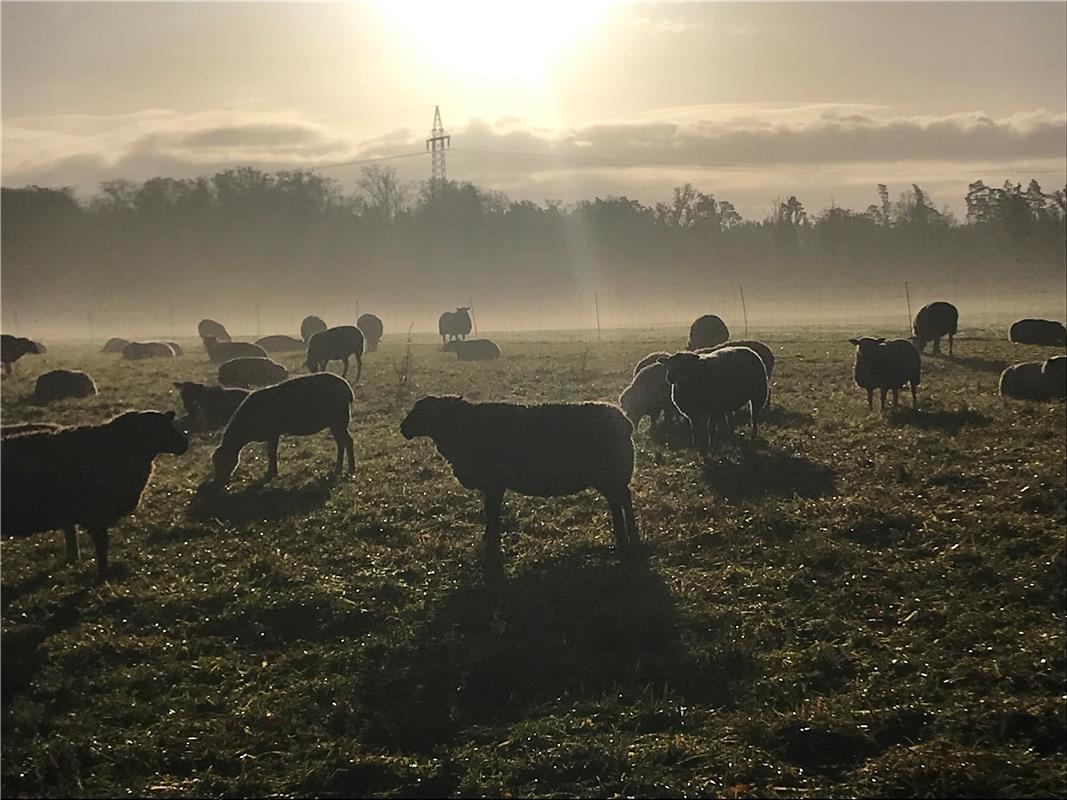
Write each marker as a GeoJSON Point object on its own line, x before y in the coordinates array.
{"type": "Point", "coordinates": [208, 327]}
{"type": "Point", "coordinates": [217, 351]}
{"type": "Point", "coordinates": [336, 344]}
{"type": "Point", "coordinates": [472, 349]}
{"type": "Point", "coordinates": [310, 326]}
{"type": "Point", "coordinates": [62, 383]}
{"type": "Point", "coordinates": [281, 344]}
{"type": "Point", "coordinates": [887, 366]}
{"type": "Point", "coordinates": [137, 351]}
{"type": "Point", "coordinates": [1044, 332]}
{"type": "Point", "coordinates": [707, 387]}
{"type": "Point", "coordinates": [372, 328]}
{"type": "Point", "coordinates": [763, 351]}
{"type": "Point", "coordinates": [298, 407]}
{"type": "Point", "coordinates": [12, 348]}
{"type": "Point", "coordinates": [454, 324]}
{"type": "Point", "coordinates": [543, 450]}
{"type": "Point", "coordinates": [933, 321]}
{"type": "Point", "coordinates": [248, 372]}
{"type": "Point", "coordinates": [649, 395]}
{"type": "Point", "coordinates": [651, 358]}
{"type": "Point", "coordinates": [91, 475]}
{"type": "Point", "coordinates": [1054, 371]}
{"type": "Point", "coordinates": [114, 345]}
{"type": "Point", "coordinates": [707, 331]}
{"type": "Point", "coordinates": [209, 407]}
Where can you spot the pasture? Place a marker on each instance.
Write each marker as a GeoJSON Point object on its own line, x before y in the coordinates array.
{"type": "Point", "coordinates": [854, 604]}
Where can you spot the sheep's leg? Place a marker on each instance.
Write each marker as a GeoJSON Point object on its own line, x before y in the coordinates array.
{"type": "Point", "coordinates": [618, 518]}
{"type": "Point", "coordinates": [870, 399]}
{"type": "Point", "coordinates": [70, 536]}
{"type": "Point", "coordinates": [7, 368]}
{"type": "Point", "coordinates": [493, 500]}
{"type": "Point", "coordinates": [896, 396]}
{"type": "Point", "coordinates": [631, 521]}
{"type": "Point", "coordinates": [359, 366]}
{"type": "Point", "coordinates": [752, 414]}
{"type": "Point", "coordinates": [937, 346]}
{"type": "Point", "coordinates": [915, 392]}
{"type": "Point", "coordinates": [272, 459]}
{"type": "Point", "coordinates": [344, 372]}
{"type": "Point", "coordinates": [883, 393]}
{"type": "Point", "coordinates": [950, 345]}
{"type": "Point", "coordinates": [99, 536]}
{"type": "Point", "coordinates": [344, 445]}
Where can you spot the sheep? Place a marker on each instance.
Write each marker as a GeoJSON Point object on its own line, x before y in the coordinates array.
{"type": "Point", "coordinates": [217, 351]}
{"type": "Point", "coordinates": [762, 350]}
{"type": "Point", "coordinates": [136, 351]}
{"type": "Point", "coordinates": [336, 344]}
{"type": "Point", "coordinates": [706, 387]}
{"type": "Point", "coordinates": [651, 358]}
{"type": "Point", "coordinates": [12, 348]}
{"type": "Point", "coordinates": [281, 344]}
{"type": "Point", "coordinates": [472, 349]}
{"type": "Point", "coordinates": [247, 372]}
{"type": "Point", "coordinates": [61, 383]}
{"type": "Point", "coordinates": [310, 326]}
{"type": "Point", "coordinates": [1025, 381]}
{"type": "Point", "coordinates": [372, 328]}
{"type": "Point", "coordinates": [454, 324]}
{"type": "Point", "coordinates": [209, 407]}
{"type": "Point", "coordinates": [542, 450]}
{"type": "Point", "coordinates": [1055, 371]}
{"type": "Point", "coordinates": [208, 327]}
{"type": "Point", "coordinates": [1045, 332]}
{"type": "Point", "coordinates": [92, 475]}
{"type": "Point", "coordinates": [707, 331]}
{"type": "Point", "coordinates": [887, 365]}
{"type": "Point", "coordinates": [299, 407]}
{"type": "Point", "coordinates": [177, 348]}
{"type": "Point", "coordinates": [933, 321]}
{"type": "Point", "coordinates": [649, 394]}
{"type": "Point", "coordinates": [114, 345]}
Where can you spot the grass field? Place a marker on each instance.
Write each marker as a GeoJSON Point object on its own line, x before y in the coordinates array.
{"type": "Point", "coordinates": [855, 604]}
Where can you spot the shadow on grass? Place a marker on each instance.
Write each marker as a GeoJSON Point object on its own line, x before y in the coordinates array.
{"type": "Point", "coordinates": [938, 419]}
{"type": "Point", "coordinates": [981, 364]}
{"type": "Point", "coordinates": [261, 501]}
{"type": "Point", "coordinates": [22, 643]}
{"type": "Point", "coordinates": [761, 471]}
{"type": "Point", "coordinates": [567, 631]}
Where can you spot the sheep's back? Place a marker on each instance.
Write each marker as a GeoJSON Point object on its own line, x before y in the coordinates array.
{"type": "Point", "coordinates": [299, 406]}
{"type": "Point", "coordinates": [724, 380]}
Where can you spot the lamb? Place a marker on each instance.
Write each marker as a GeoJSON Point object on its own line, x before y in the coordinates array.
{"type": "Point", "coordinates": [336, 344]}
{"type": "Point", "coordinates": [217, 351]}
{"type": "Point", "coordinates": [648, 395]}
{"type": "Point", "coordinates": [177, 348]}
{"type": "Point", "coordinates": [472, 349]}
{"type": "Point", "coordinates": [114, 345]}
{"type": "Point", "coordinates": [209, 407]}
{"type": "Point", "coordinates": [1055, 372]}
{"type": "Point", "coordinates": [707, 331]}
{"type": "Point", "coordinates": [310, 326]}
{"type": "Point", "coordinates": [372, 328]}
{"type": "Point", "coordinates": [933, 321]}
{"type": "Point", "coordinates": [12, 348]}
{"type": "Point", "coordinates": [651, 358]}
{"type": "Point", "coordinates": [454, 324]}
{"type": "Point", "coordinates": [92, 475]}
{"type": "Point", "coordinates": [762, 350]}
{"type": "Point", "coordinates": [208, 327]}
{"type": "Point", "coordinates": [299, 407]}
{"type": "Point", "coordinates": [281, 344]}
{"type": "Point", "coordinates": [247, 372]}
{"type": "Point", "coordinates": [1025, 381]}
{"type": "Point", "coordinates": [1045, 332]}
{"type": "Point", "coordinates": [61, 383]}
{"type": "Point", "coordinates": [887, 365]}
{"type": "Point", "coordinates": [136, 351]}
{"type": "Point", "coordinates": [543, 450]}
{"type": "Point", "coordinates": [707, 387]}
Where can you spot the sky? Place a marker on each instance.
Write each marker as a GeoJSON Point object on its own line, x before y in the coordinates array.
{"type": "Point", "coordinates": [547, 100]}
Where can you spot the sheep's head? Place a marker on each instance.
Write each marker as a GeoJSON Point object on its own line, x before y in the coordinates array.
{"type": "Point", "coordinates": [429, 414]}
{"type": "Point", "coordinates": [153, 429]}
{"type": "Point", "coordinates": [224, 462]}
{"type": "Point", "coordinates": [679, 365]}
{"type": "Point", "coordinates": [867, 345]}
{"type": "Point", "coordinates": [451, 347]}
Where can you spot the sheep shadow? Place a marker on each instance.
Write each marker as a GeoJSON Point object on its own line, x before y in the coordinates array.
{"type": "Point", "coordinates": [761, 471]}
{"type": "Point", "coordinates": [258, 502]}
{"type": "Point", "coordinates": [938, 419]}
{"type": "Point", "coordinates": [782, 417]}
{"type": "Point", "coordinates": [578, 628]}
{"type": "Point", "coordinates": [993, 365]}
{"type": "Point", "coordinates": [22, 644]}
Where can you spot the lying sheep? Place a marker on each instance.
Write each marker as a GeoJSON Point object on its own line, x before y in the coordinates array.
{"type": "Point", "coordinates": [177, 348]}
{"type": "Point", "coordinates": [887, 366]}
{"type": "Point", "coordinates": [62, 383]}
{"type": "Point", "coordinates": [114, 345]}
{"type": "Point", "coordinates": [208, 327]}
{"type": "Point", "coordinates": [336, 344]}
{"type": "Point", "coordinates": [12, 348]}
{"type": "Point", "coordinates": [707, 331]}
{"type": "Point", "coordinates": [472, 349]}
{"type": "Point", "coordinates": [762, 350]}
{"type": "Point", "coordinates": [651, 358]}
{"type": "Point", "coordinates": [217, 351]}
{"type": "Point", "coordinates": [1025, 381]}
{"type": "Point", "coordinates": [454, 324]}
{"type": "Point", "coordinates": [280, 344]}
{"type": "Point", "coordinates": [707, 387]}
{"type": "Point", "coordinates": [136, 351]}
{"type": "Point", "coordinates": [247, 372]}
{"type": "Point", "coordinates": [209, 407]}
{"type": "Point", "coordinates": [933, 321]}
{"type": "Point", "coordinates": [310, 326]}
{"type": "Point", "coordinates": [540, 450]}
{"type": "Point", "coordinates": [91, 475]}
{"type": "Point", "coordinates": [1054, 371]}
{"type": "Point", "coordinates": [649, 395]}
{"type": "Point", "coordinates": [372, 328]}
{"type": "Point", "coordinates": [1044, 332]}
{"type": "Point", "coordinates": [298, 407]}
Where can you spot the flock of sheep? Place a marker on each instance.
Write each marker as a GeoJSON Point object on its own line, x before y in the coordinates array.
{"type": "Point", "coordinates": [491, 447]}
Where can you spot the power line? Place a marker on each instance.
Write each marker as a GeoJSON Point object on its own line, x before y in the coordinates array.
{"type": "Point", "coordinates": [367, 160]}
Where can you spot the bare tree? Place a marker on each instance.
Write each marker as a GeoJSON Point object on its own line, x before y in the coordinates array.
{"type": "Point", "coordinates": [387, 195]}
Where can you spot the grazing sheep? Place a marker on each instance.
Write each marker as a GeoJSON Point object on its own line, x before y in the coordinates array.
{"type": "Point", "coordinates": [299, 407]}
{"type": "Point", "coordinates": [648, 395]}
{"type": "Point", "coordinates": [281, 344]}
{"type": "Point", "coordinates": [61, 383]}
{"type": "Point", "coordinates": [762, 350]}
{"type": "Point", "coordinates": [336, 344]}
{"type": "Point", "coordinates": [114, 345]}
{"type": "Point", "coordinates": [540, 450]}
{"type": "Point", "coordinates": [707, 331]}
{"type": "Point", "coordinates": [887, 366]}
{"type": "Point", "coordinates": [91, 475]}
{"type": "Point", "coordinates": [933, 321]}
{"type": "Point", "coordinates": [136, 351]}
{"type": "Point", "coordinates": [651, 358]}
{"type": "Point", "coordinates": [247, 372]}
{"type": "Point", "coordinates": [310, 326]}
{"type": "Point", "coordinates": [1055, 372]}
{"type": "Point", "coordinates": [209, 407]}
{"type": "Point", "coordinates": [472, 349]}
{"type": "Point", "coordinates": [12, 348]}
{"type": "Point", "coordinates": [372, 328]}
{"type": "Point", "coordinates": [40, 347]}
{"type": "Point", "coordinates": [1025, 381]}
{"type": "Point", "coordinates": [217, 351]}
{"type": "Point", "coordinates": [1045, 332]}
{"type": "Point", "coordinates": [208, 327]}
{"type": "Point", "coordinates": [706, 387]}
{"type": "Point", "coordinates": [454, 324]}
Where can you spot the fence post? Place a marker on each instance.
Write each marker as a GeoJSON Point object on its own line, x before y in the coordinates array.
{"type": "Point", "coordinates": [257, 320]}
{"type": "Point", "coordinates": [744, 311]}
{"type": "Point", "coordinates": [474, 319]}
{"type": "Point", "coordinates": [92, 335]}
{"type": "Point", "coordinates": [907, 296]}
{"type": "Point", "coordinates": [170, 316]}
{"type": "Point", "coordinates": [596, 306]}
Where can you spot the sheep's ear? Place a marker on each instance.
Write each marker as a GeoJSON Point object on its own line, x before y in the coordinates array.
{"type": "Point", "coordinates": [880, 339]}
{"type": "Point", "coordinates": [170, 415]}
{"type": "Point", "coordinates": [854, 341]}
